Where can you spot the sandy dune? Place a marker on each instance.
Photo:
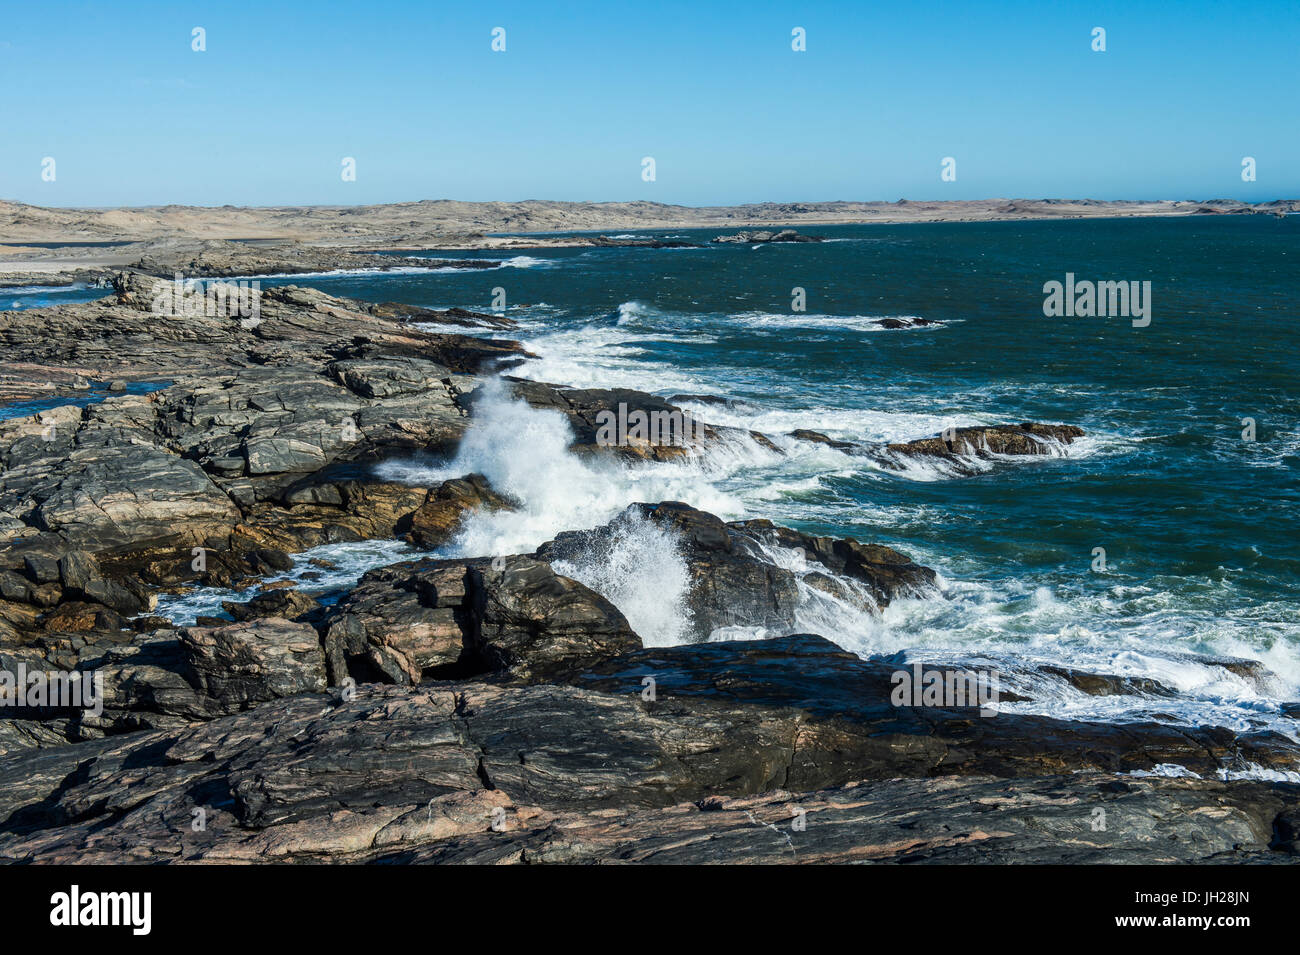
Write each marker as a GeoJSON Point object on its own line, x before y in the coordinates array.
{"type": "Point", "coordinates": [441, 219]}
{"type": "Point", "coordinates": [319, 231]}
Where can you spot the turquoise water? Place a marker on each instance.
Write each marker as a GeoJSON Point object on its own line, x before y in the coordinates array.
{"type": "Point", "coordinates": [19, 297]}
{"type": "Point", "coordinates": [95, 392]}
{"type": "Point", "coordinates": [1199, 526]}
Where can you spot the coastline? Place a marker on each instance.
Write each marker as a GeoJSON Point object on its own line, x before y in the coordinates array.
{"type": "Point", "coordinates": [507, 679]}
{"type": "Point", "coordinates": [265, 240]}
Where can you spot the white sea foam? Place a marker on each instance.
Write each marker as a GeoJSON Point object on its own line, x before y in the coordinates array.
{"type": "Point", "coordinates": [1257, 773]}
{"type": "Point", "coordinates": [527, 262]}
{"type": "Point", "coordinates": [343, 273]}
{"type": "Point", "coordinates": [607, 356]}
{"type": "Point", "coordinates": [341, 566]}
{"type": "Point", "coordinates": [523, 452]}
{"type": "Point", "coordinates": [814, 320]}
{"type": "Point", "coordinates": [631, 312]}
{"type": "Point", "coordinates": [643, 574]}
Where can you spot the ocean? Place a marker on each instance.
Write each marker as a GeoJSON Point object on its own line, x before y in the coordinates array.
{"type": "Point", "coordinates": [1199, 524]}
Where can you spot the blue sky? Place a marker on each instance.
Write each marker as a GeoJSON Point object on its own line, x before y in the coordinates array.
{"type": "Point", "coordinates": [413, 91]}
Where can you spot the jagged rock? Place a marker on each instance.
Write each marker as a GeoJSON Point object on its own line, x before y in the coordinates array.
{"type": "Point", "coordinates": [1107, 684]}
{"type": "Point", "coordinates": [538, 624]}
{"type": "Point", "coordinates": [733, 583]}
{"type": "Point", "coordinates": [397, 623]}
{"type": "Point", "coordinates": [454, 617]}
{"type": "Point", "coordinates": [447, 316]}
{"type": "Point", "coordinates": [279, 602]}
{"type": "Point", "coordinates": [981, 442]}
{"type": "Point", "coordinates": [19, 735]}
{"type": "Point", "coordinates": [76, 615]}
{"type": "Point", "coordinates": [13, 587]}
{"type": "Point", "coordinates": [76, 570]}
{"type": "Point", "coordinates": [887, 573]}
{"type": "Point", "coordinates": [436, 521]}
{"type": "Point", "coordinates": [388, 378]}
{"type": "Point", "coordinates": [41, 569]}
{"type": "Point", "coordinates": [247, 663]}
{"type": "Point", "coordinates": [274, 455]}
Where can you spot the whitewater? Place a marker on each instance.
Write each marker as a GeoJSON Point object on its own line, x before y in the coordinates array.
{"type": "Point", "coordinates": [1198, 595]}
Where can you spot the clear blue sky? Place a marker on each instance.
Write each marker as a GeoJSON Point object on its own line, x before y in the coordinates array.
{"type": "Point", "coordinates": [583, 91]}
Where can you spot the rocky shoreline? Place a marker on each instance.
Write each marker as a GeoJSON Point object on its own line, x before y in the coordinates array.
{"type": "Point", "coordinates": [490, 708]}
{"type": "Point", "coordinates": [220, 259]}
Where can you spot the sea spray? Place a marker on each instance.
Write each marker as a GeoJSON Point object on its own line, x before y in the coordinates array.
{"type": "Point", "coordinates": [524, 453]}
{"type": "Point", "coordinates": [641, 571]}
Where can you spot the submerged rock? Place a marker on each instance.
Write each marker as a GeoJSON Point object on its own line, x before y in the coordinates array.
{"type": "Point", "coordinates": [905, 322]}
{"type": "Point", "coordinates": [816, 437]}
{"type": "Point", "coordinates": [1027, 438]}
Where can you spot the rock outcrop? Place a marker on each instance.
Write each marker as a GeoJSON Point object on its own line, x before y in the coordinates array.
{"type": "Point", "coordinates": [760, 236]}
{"type": "Point", "coordinates": [269, 450]}
{"type": "Point", "coordinates": [983, 442]}
{"type": "Point", "coordinates": [215, 258]}
{"type": "Point", "coordinates": [735, 582]}
{"type": "Point", "coordinates": [429, 618]}
{"type": "Point", "coordinates": [706, 770]}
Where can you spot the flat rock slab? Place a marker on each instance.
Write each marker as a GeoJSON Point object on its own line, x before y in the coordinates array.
{"type": "Point", "coordinates": [424, 774]}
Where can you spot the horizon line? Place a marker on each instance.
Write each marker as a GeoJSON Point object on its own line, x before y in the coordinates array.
{"type": "Point", "coordinates": [669, 205]}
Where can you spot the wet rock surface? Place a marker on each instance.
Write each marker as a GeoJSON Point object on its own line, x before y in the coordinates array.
{"type": "Point", "coordinates": [960, 451]}
{"type": "Point", "coordinates": [984, 442]}
{"type": "Point", "coordinates": [736, 580]}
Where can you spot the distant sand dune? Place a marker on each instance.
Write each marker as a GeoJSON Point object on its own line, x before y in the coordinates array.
{"type": "Point", "coordinates": [415, 224]}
